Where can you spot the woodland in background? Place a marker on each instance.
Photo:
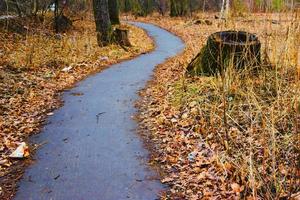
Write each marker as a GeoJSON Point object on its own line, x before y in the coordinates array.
{"type": "Point", "coordinates": [145, 7]}
{"type": "Point", "coordinates": [106, 13]}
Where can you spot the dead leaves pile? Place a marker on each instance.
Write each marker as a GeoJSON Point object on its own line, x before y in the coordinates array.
{"type": "Point", "coordinates": [201, 156]}
{"type": "Point", "coordinates": [35, 68]}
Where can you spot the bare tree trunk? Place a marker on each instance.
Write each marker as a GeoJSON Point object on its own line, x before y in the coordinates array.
{"type": "Point", "coordinates": [225, 9]}
{"type": "Point", "coordinates": [35, 7]}
{"type": "Point", "coordinates": [6, 2]}
{"type": "Point", "coordinates": [127, 6]}
{"type": "Point", "coordinates": [161, 5]}
{"type": "Point", "coordinates": [114, 11]}
{"type": "Point", "coordinates": [173, 8]}
{"type": "Point", "coordinates": [222, 9]}
{"type": "Point", "coordinates": [18, 8]}
{"type": "Point", "coordinates": [56, 3]}
{"type": "Point", "coordinates": [103, 25]}
{"type": "Point", "coordinates": [292, 5]}
{"type": "Point", "coordinates": [179, 7]}
{"type": "Point", "coordinates": [190, 8]}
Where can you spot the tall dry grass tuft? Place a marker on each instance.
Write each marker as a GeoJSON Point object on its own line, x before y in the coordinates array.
{"type": "Point", "coordinates": [263, 121]}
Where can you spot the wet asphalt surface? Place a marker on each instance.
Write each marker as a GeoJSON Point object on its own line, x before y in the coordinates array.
{"type": "Point", "coordinates": [92, 150]}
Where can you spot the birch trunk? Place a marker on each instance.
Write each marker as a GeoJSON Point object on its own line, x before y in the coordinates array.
{"type": "Point", "coordinates": [225, 9]}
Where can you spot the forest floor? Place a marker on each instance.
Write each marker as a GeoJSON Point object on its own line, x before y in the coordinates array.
{"type": "Point", "coordinates": [35, 68]}
{"type": "Point", "coordinates": [235, 137]}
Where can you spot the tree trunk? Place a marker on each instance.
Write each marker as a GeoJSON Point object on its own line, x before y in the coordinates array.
{"type": "Point", "coordinates": [35, 7]}
{"type": "Point", "coordinates": [114, 11]}
{"type": "Point", "coordinates": [147, 6]}
{"type": "Point", "coordinates": [103, 25]}
{"type": "Point", "coordinates": [17, 7]}
{"type": "Point", "coordinates": [225, 9]}
{"type": "Point", "coordinates": [56, 3]}
{"type": "Point", "coordinates": [203, 6]}
{"type": "Point", "coordinates": [161, 5]}
{"type": "Point", "coordinates": [173, 8]}
{"type": "Point", "coordinates": [184, 7]}
{"type": "Point", "coordinates": [127, 6]}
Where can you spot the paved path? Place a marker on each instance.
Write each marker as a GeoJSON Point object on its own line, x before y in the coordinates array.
{"type": "Point", "coordinates": [92, 150]}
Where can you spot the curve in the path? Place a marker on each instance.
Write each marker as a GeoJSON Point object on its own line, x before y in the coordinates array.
{"type": "Point", "coordinates": [92, 150]}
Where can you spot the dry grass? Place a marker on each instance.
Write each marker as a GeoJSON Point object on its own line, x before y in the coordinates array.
{"type": "Point", "coordinates": [234, 136]}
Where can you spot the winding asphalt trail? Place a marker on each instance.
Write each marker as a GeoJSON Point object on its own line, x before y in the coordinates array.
{"type": "Point", "coordinates": [92, 150]}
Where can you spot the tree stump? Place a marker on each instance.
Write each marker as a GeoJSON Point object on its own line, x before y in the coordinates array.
{"type": "Point", "coordinates": [238, 49]}
{"type": "Point", "coordinates": [62, 24]}
{"type": "Point", "coordinates": [12, 24]}
{"type": "Point", "coordinates": [121, 37]}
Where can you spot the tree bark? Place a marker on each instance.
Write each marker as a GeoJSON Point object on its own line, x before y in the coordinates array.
{"type": "Point", "coordinates": [103, 24]}
{"type": "Point", "coordinates": [35, 7]}
{"type": "Point", "coordinates": [147, 6]}
{"type": "Point", "coordinates": [114, 11]}
{"type": "Point", "coordinates": [161, 6]}
{"type": "Point", "coordinates": [56, 4]}
{"type": "Point", "coordinates": [227, 8]}
{"type": "Point", "coordinates": [173, 8]}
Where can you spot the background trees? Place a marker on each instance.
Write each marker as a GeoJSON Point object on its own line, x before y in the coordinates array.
{"type": "Point", "coordinates": [109, 14]}
{"type": "Point", "coordinates": [186, 7]}
{"type": "Point", "coordinates": [179, 7]}
{"type": "Point", "coordinates": [161, 6]}
{"type": "Point", "coordinates": [146, 7]}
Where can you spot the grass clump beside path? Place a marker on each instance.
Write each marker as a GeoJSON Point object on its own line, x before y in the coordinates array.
{"type": "Point", "coordinates": [234, 136]}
